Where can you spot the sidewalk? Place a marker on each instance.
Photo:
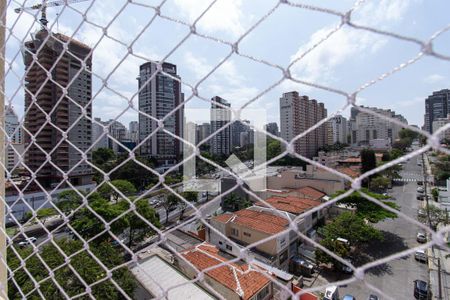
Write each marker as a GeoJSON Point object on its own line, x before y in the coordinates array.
{"type": "Point", "coordinates": [435, 256]}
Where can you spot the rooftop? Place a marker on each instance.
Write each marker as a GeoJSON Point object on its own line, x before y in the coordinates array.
{"type": "Point", "coordinates": [256, 220]}
{"type": "Point", "coordinates": [311, 192]}
{"type": "Point", "coordinates": [291, 204]}
{"type": "Point", "coordinates": [348, 171]}
{"type": "Point", "coordinates": [238, 278]}
{"type": "Point", "coordinates": [157, 276]}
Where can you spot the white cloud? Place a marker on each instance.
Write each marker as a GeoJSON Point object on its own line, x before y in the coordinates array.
{"type": "Point", "coordinates": [224, 15]}
{"type": "Point", "coordinates": [346, 43]}
{"type": "Point", "coordinates": [434, 78]}
{"type": "Point", "coordinates": [226, 81]}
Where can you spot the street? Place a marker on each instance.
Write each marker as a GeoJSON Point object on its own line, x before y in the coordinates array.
{"type": "Point", "coordinates": [395, 278]}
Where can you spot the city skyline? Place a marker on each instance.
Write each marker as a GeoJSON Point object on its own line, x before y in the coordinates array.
{"type": "Point", "coordinates": [235, 80]}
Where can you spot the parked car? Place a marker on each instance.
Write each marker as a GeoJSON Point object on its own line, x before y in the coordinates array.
{"type": "Point", "coordinates": [372, 297]}
{"type": "Point", "coordinates": [421, 237]}
{"type": "Point", "coordinates": [420, 189]}
{"type": "Point", "coordinates": [421, 212]}
{"type": "Point", "coordinates": [27, 241]}
{"type": "Point", "coordinates": [420, 197]}
{"type": "Point", "coordinates": [421, 290]}
{"type": "Point", "coordinates": [419, 182]}
{"type": "Point", "coordinates": [421, 256]}
{"type": "Point", "coordinates": [348, 297]}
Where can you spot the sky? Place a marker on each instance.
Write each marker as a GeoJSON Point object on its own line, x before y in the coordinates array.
{"type": "Point", "coordinates": [347, 60]}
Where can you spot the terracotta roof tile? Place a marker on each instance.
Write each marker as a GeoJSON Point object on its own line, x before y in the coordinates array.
{"type": "Point", "coordinates": [291, 204]}
{"type": "Point", "coordinates": [311, 192]}
{"type": "Point", "coordinates": [349, 171]}
{"type": "Point", "coordinates": [235, 277]}
{"type": "Point", "coordinates": [257, 220]}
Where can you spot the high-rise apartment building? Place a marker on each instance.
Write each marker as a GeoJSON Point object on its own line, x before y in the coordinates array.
{"type": "Point", "coordinates": [297, 114]}
{"type": "Point", "coordinates": [15, 147]}
{"type": "Point", "coordinates": [272, 128]}
{"type": "Point", "coordinates": [70, 70]}
{"type": "Point", "coordinates": [441, 122]}
{"type": "Point", "coordinates": [157, 98]}
{"type": "Point", "coordinates": [367, 127]}
{"type": "Point", "coordinates": [240, 129]}
{"type": "Point", "coordinates": [220, 141]}
{"type": "Point", "coordinates": [437, 106]}
{"type": "Point", "coordinates": [99, 140]}
{"type": "Point", "coordinates": [203, 131]}
{"type": "Point", "coordinates": [133, 131]}
{"type": "Point", "coordinates": [338, 130]}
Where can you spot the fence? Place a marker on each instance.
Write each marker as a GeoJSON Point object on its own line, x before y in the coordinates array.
{"type": "Point", "coordinates": [92, 251]}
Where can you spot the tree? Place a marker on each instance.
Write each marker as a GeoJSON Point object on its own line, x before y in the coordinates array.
{"type": "Point", "coordinates": [102, 156]}
{"type": "Point", "coordinates": [43, 213]}
{"type": "Point", "coordinates": [86, 267]}
{"type": "Point", "coordinates": [435, 194]}
{"type": "Point", "coordinates": [124, 186]}
{"type": "Point", "coordinates": [408, 133]}
{"type": "Point", "coordinates": [169, 203]}
{"type": "Point", "coordinates": [367, 209]}
{"type": "Point", "coordinates": [233, 202]}
{"type": "Point", "coordinates": [437, 216]}
{"type": "Point", "coordinates": [188, 196]}
{"type": "Point", "coordinates": [68, 201]}
{"type": "Point", "coordinates": [396, 153]}
{"type": "Point", "coordinates": [386, 156]}
{"type": "Point", "coordinates": [379, 183]}
{"type": "Point", "coordinates": [337, 247]}
{"type": "Point", "coordinates": [138, 228]}
{"type": "Point", "coordinates": [350, 227]}
{"type": "Point", "coordinates": [368, 160]}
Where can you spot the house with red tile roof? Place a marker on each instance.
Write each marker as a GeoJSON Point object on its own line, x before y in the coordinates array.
{"type": "Point", "coordinates": [269, 230]}
{"type": "Point", "coordinates": [232, 280]}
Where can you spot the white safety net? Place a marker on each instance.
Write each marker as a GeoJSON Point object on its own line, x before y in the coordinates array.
{"type": "Point", "coordinates": [95, 233]}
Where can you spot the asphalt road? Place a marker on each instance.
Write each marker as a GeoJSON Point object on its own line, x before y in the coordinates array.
{"type": "Point", "coordinates": [396, 277]}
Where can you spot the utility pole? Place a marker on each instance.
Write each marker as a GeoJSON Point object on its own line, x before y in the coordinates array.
{"type": "Point", "coordinates": [439, 277]}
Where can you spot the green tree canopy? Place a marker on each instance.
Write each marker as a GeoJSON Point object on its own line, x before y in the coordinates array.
{"type": "Point", "coordinates": [87, 268]}
{"type": "Point", "coordinates": [352, 228]}
{"type": "Point", "coordinates": [68, 201]}
{"type": "Point", "coordinates": [367, 209]}
{"type": "Point", "coordinates": [124, 186]}
{"type": "Point", "coordinates": [102, 155]}
{"type": "Point", "coordinates": [232, 202]}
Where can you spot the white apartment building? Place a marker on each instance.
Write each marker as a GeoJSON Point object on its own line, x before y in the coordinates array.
{"type": "Point", "coordinates": [366, 127]}
{"type": "Point", "coordinates": [15, 146]}
{"type": "Point", "coordinates": [133, 131]}
{"type": "Point", "coordinates": [441, 122]}
{"type": "Point", "coordinates": [338, 130]}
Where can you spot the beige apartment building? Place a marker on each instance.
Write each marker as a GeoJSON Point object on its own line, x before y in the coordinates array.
{"type": "Point", "coordinates": [299, 113]}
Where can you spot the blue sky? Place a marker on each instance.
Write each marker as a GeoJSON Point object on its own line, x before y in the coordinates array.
{"type": "Point", "coordinates": [346, 61]}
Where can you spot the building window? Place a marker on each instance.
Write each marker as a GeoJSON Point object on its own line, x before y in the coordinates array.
{"type": "Point", "coordinates": [229, 247]}
{"type": "Point", "coordinates": [314, 215]}
{"type": "Point", "coordinates": [234, 232]}
{"type": "Point", "coordinates": [247, 234]}
{"type": "Point", "coordinates": [220, 243]}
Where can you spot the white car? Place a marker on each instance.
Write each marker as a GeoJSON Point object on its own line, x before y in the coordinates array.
{"type": "Point", "coordinates": [27, 241]}
{"type": "Point", "coordinates": [420, 189]}
{"type": "Point", "coordinates": [421, 237]}
{"type": "Point", "coordinates": [421, 256]}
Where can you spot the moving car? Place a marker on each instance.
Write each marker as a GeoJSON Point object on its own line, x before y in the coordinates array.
{"type": "Point", "coordinates": [421, 290]}
{"type": "Point", "coordinates": [27, 241]}
{"type": "Point", "coordinates": [421, 256]}
{"type": "Point", "coordinates": [421, 237]}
